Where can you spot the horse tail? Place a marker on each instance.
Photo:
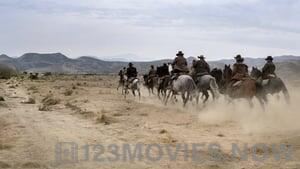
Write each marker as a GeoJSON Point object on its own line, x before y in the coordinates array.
{"type": "Point", "coordinates": [193, 85]}
{"type": "Point", "coordinates": [214, 87]}
{"type": "Point", "coordinates": [285, 92]}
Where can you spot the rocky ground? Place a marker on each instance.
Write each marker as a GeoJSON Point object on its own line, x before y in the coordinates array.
{"type": "Point", "coordinates": [43, 121]}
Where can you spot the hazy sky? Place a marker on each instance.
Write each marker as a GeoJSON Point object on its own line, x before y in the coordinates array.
{"type": "Point", "coordinates": [151, 29]}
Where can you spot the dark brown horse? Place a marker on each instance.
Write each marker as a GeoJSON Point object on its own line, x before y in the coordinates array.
{"type": "Point", "coordinates": [272, 86]}
{"type": "Point", "coordinates": [247, 88]}
{"type": "Point", "coordinates": [150, 83]}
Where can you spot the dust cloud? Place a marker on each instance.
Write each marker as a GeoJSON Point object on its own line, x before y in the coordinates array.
{"type": "Point", "coordinates": [278, 116]}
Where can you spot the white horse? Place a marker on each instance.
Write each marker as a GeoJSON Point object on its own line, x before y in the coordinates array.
{"type": "Point", "coordinates": [184, 85]}
{"type": "Point", "coordinates": [207, 83]}
{"type": "Point", "coordinates": [133, 85]}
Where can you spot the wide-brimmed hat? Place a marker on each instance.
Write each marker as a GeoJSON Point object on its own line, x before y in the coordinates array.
{"type": "Point", "coordinates": [269, 58]}
{"type": "Point", "coordinates": [239, 58]}
{"type": "Point", "coordinates": [180, 53]}
{"type": "Point", "coordinates": [130, 64]}
{"type": "Point", "coordinates": [201, 57]}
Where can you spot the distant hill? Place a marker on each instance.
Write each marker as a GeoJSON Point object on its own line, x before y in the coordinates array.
{"type": "Point", "coordinates": [59, 63]}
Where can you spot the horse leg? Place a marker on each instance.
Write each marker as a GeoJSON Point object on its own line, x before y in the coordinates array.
{"type": "Point", "coordinates": [167, 97]}
{"type": "Point", "coordinates": [197, 98]}
{"type": "Point", "coordinates": [214, 88]}
{"type": "Point", "coordinates": [158, 93]}
{"type": "Point", "coordinates": [133, 92]}
{"type": "Point", "coordinates": [251, 103]}
{"type": "Point", "coordinates": [126, 92]}
{"type": "Point", "coordinates": [184, 99]}
{"type": "Point", "coordinates": [286, 94]}
{"type": "Point", "coordinates": [188, 97]}
{"type": "Point", "coordinates": [164, 92]}
{"type": "Point", "coordinates": [139, 92]}
{"type": "Point", "coordinates": [149, 91]}
{"type": "Point", "coordinates": [205, 93]}
{"type": "Point", "coordinates": [213, 93]}
{"type": "Point", "coordinates": [262, 104]}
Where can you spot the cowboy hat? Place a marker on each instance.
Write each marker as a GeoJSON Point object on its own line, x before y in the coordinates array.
{"type": "Point", "coordinates": [269, 58]}
{"type": "Point", "coordinates": [201, 57]}
{"type": "Point", "coordinates": [180, 53]}
{"type": "Point", "coordinates": [239, 58]}
{"type": "Point", "coordinates": [130, 64]}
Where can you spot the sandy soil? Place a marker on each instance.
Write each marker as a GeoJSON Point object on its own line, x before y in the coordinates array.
{"type": "Point", "coordinates": [88, 110]}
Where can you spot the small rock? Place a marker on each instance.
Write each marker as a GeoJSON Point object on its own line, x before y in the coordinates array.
{"type": "Point", "coordinates": [29, 101]}
{"type": "Point", "coordinates": [163, 131]}
{"type": "Point", "coordinates": [220, 135]}
{"type": "Point", "coordinates": [2, 99]}
{"type": "Point", "coordinates": [11, 87]}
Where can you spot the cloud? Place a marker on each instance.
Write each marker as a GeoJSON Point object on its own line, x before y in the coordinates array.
{"type": "Point", "coordinates": [151, 27]}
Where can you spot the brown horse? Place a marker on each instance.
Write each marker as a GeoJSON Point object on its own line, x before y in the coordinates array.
{"type": "Point", "coordinates": [247, 88]}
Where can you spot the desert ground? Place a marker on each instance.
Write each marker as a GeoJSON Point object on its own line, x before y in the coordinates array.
{"type": "Point", "coordinates": [37, 115]}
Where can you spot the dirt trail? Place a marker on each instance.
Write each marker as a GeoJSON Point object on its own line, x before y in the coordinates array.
{"type": "Point", "coordinates": [29, 136]}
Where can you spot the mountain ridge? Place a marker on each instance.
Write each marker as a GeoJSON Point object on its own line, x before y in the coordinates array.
{"type": "Point", "coordinates": [60, 63]}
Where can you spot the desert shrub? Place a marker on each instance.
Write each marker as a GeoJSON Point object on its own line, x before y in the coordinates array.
{"type": "Point", "coordinates": [6, 72]}
{"type": "Point", "coordinates": [68, 92]}
{"type": "Point", "coordinates": [34, 76]}
{"type": "Point", "coordinates": [47, 74]}
{"type": "Point", "coordinates": [105, 119]}
{"type": "Point", "coordinates": [32, 88]}
{"type": "Point", "coordinates": [49, 100]}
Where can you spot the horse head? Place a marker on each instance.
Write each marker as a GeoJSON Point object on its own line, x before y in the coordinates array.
{"type": "Point", "coordinates": [227, 72]}
{"type": "Point", "coordinates": [255, 73]}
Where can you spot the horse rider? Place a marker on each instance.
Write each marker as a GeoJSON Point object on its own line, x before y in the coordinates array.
{"type": "Point", "coordinates": [193, 67]}
{"type": "Point", "coordinates": [240, 71]}
{"type": "Point", "coordinates": [121, 74]}
{"type": "Point", "coordinates": [180, 65]}
{"type": "Point", "coordinates": [131, 73]}
{"type": "Point", "coordinates": [151, 74]}
{"type": "Point", "coordinates": [268, 71]}
{"type": "Point", "coordinates": [201, 67]}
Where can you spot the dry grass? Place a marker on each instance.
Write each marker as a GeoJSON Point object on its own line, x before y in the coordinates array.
{"type": "Point", "coordinates": [49, 100]}
{"type": "Point", "coordinates": [68, 92]}
{"type": "Point", "coordinates": [4, 165]}
{"type": "Point", "coordinates": [104, 119]}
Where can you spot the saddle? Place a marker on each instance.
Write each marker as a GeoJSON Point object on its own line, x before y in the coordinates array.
{"type": "Point", "coordinates": [130, 81]}
{"type": "Point", "coordinates": [238, 77]}
{"type": "Point", "coordinates": [150, 79]}
{"type": "Point", "coordinates": [176, 75]}
{"type": "Point", "coordinates": [202, 74]}
{"type": "Point", "coordinates": [197, 76]}
{"type": "Point", "coordinates": [268, 79]}
{"type": "Point", "coordinates": [237, 84]}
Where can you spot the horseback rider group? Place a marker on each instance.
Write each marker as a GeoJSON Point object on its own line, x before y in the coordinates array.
{"type": "Point", "coordinates": [199, 68]}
